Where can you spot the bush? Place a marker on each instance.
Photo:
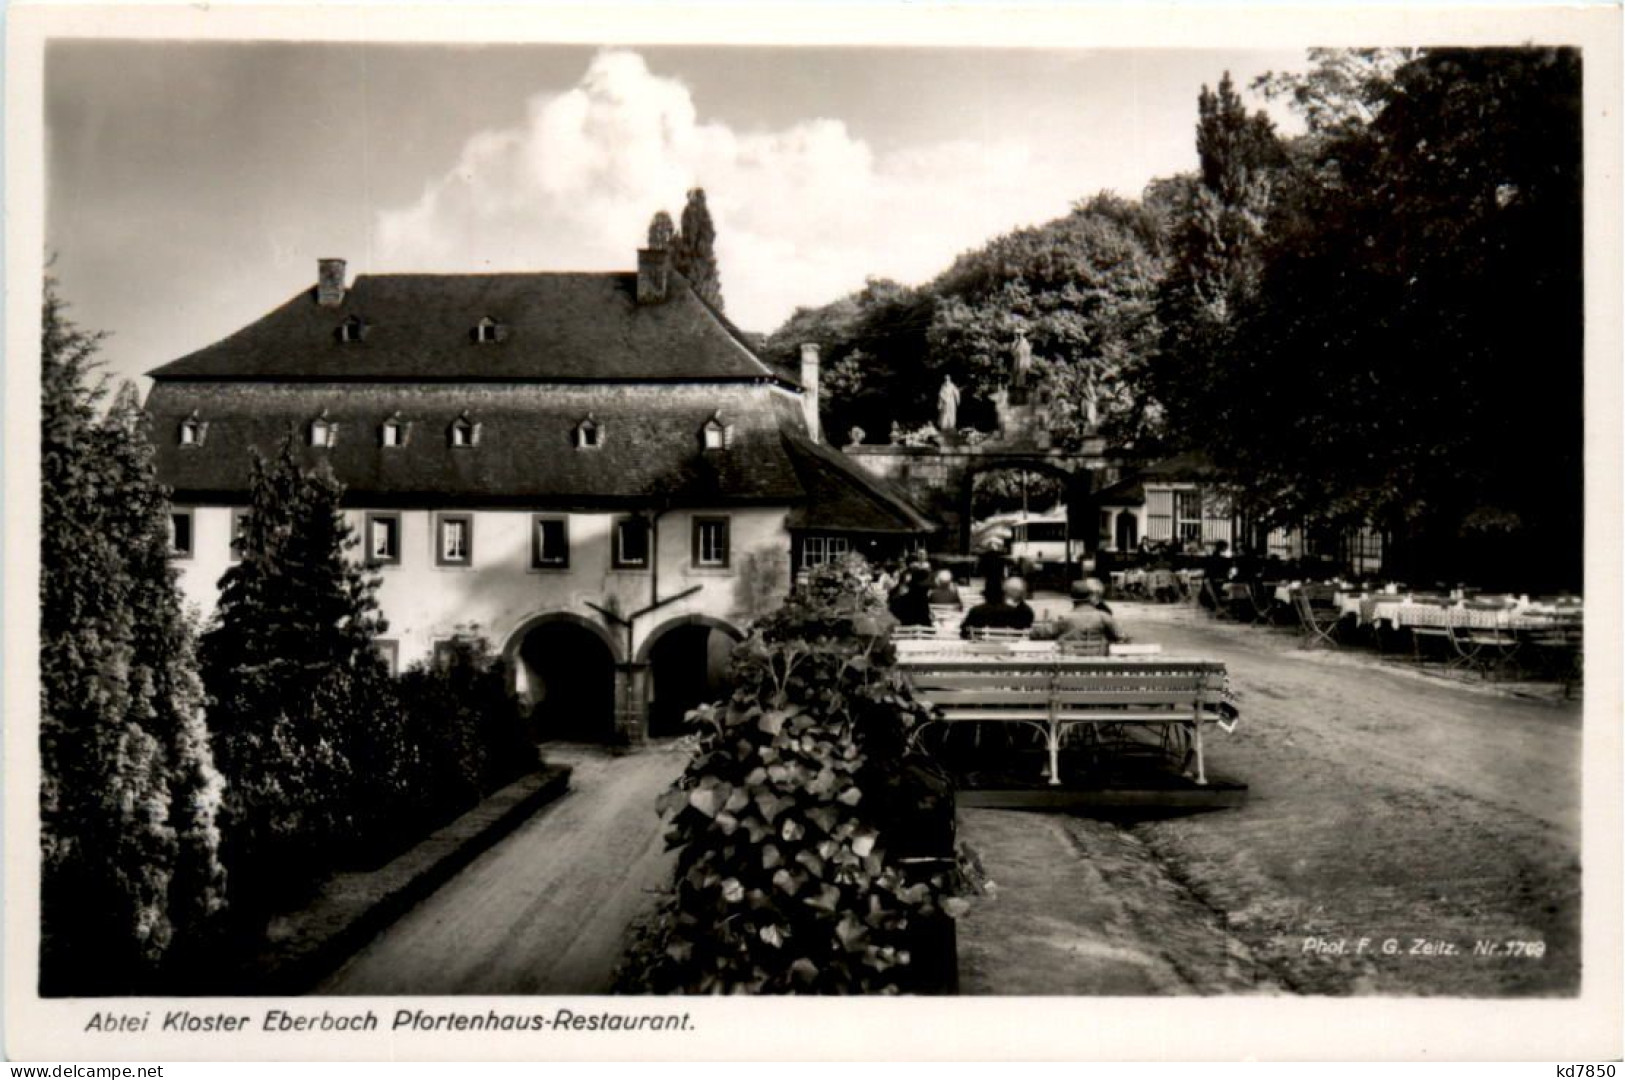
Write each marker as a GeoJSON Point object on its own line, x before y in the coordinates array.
{"type": "Point", "coordinates": [462, 734]}
{"type": "Point", "coordinates": [790, 815]}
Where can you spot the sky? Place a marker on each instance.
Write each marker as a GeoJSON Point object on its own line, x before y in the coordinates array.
{"type": "Point", "coordinates": [192, 186]}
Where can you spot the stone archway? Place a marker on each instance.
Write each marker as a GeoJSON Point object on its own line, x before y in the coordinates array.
{"type": "Point", "coordinates": [563, 666]}
{"type": "Point", "coordinates": [939, 478]}
{"type": "Point", "coordinates": [687, 660]}
{"type": "Point", "coordinates": [1075, 487]}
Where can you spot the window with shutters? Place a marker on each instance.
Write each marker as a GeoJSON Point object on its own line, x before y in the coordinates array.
{"type": "Point", "coordinates": [1188, 514]}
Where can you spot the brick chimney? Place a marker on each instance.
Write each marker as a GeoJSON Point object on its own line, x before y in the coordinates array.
{"type": "Point", "coordinates": [654, 275]}
{"type": "Point", "coordinates": [330, 282]}
{"type": "Point", "coordinates": [809, 388]}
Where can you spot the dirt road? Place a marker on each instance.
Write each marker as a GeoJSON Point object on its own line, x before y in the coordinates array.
{"type": "Point", "coordinates": [1422, 815]}
{"type": "Point", "coordinates": [546, 910]}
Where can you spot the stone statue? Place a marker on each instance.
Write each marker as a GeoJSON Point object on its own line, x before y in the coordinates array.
{"type": "Point", "coordinates": [1091, 393]}
{"type": "Point", "coordinates": [1023, 361]}
{"type": "Point", "coordinates": [855, 436]}
{"type": "Point", "coordinates": [947, 405]}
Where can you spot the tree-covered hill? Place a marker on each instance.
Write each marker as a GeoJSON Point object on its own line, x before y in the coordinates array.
{"type": "Point", "coordinates": [1377, 322]}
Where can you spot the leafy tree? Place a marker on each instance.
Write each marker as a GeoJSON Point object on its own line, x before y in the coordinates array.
{"type": "Point", "coordinates": [304, 720]}
{"type": "Point", "coordinates": [873, 349]}
{"type": "Point", "coordinates": [1000, 491]}
{"type": "Point", "coordinates": [1217, 247]}
{"type": "Point", "coordinates": [1413, 354]}
{"type": "Point", "coordinates": [1083, 288]}
{"type": "Point", "coordinates": [1342, 91]}
{"type": "Point", "coordinates": [694, 252]}
{"type": "Point", "coordinates": [130, 876]}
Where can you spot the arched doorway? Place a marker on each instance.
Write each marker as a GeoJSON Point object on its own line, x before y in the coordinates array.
{"type": "Point", "coordinates": [564, 671]}
{"type": "Point", "coordinates": [688, 666]}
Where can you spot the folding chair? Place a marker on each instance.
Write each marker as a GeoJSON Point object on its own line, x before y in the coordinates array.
{"type": "Point", "coordinates": [1486, 648]}
{"type": "Point", "coordinates": [1319, 620]}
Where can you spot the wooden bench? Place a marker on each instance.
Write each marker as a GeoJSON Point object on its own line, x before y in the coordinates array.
{"type": "Point", "coordinates": [1055, 694]}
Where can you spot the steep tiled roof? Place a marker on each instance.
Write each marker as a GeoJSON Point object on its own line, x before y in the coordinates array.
{"type": "Point", "coordinates": [845, 496]}
{"type": "Point", "coordinates": [650, 441]}
{"type": "Point", "coordinates": [552, 327]}
{"type": "Point", "coordinates": [1126, 492]}
{"type": "Point", "coordinates": [568, 347]}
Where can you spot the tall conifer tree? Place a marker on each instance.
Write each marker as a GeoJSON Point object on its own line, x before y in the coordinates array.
{"type": "Point", "coordinates": [300, 691]}
{"type": "Point", "coordinates": [694, 253]}
{"type": "Point", "coordinates": [128, 788]}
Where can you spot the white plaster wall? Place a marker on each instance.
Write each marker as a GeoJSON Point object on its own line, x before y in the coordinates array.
{"type": "Point", "coordinates": [500, 592]}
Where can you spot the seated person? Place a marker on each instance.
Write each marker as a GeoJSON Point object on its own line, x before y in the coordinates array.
{"type": "Point", "coordinates": [908, 604]}
{"type": "Point", "coordinates": [1009, 612]}
{"type": "Point", "coordinates": [1089, 617]}
{"type": "Point", "coordinates": [945, 593]}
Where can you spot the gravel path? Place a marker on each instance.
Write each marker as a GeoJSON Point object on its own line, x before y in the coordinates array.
{"type": "Point", "coordinates": [546, 910]}
{"type": "Point", "coordinates": [1385, 804]}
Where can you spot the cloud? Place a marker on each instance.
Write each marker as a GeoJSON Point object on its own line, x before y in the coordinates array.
{"type": "Point", "coordinates": [803, 214]}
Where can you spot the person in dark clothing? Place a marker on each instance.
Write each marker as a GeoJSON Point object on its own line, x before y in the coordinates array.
{"type": "Point", "coordinates": [1215, 568]}
{"type": "Point", "coordinates": [1009, 612]}
{"type": "Point", "coordinates": [910, 605]}
{"type": "Point", "coordinates": [991, 569]}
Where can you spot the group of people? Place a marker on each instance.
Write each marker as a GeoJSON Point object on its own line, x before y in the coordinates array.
{"type": "Point", "coordinates": [917, 588]}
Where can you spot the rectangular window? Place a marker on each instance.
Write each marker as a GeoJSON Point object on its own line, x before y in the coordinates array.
{"type": "Point", "coordinates": [454, 540]}
{"type": "Point", "coordinates": [711, 541]}
{"type": "Point", "coordinates": [180, 534]}
{"type": "Point", "coordinates": [631, 544]}
{"type": "Point", "coordinates": [384, 538]}
{"type": "Point", "coordinates": [1046, 532]}
{"type": "Point", "coordinates": [549, 543]}
{"type": "Point", "coordinates": [1188, 512]}
{"type": "Point", "coordinates": [389, 652]}
{"type": "Point", "coordinates": [818, 550]}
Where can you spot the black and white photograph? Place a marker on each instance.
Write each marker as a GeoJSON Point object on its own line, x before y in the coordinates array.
{"type": "Point", "coordinates": [525, 534]}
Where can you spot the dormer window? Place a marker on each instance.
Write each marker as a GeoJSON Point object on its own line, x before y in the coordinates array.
{"type": "Point", "coordinates": [392, 432]}
{"type": "Point", "coordinates": [714, 435]}
{"type": "Point", "coordinates": [352, 329]}
{"type": "Point", "coordinates": [192, 430]}
{"type": "Point", "coordinates": [488, 330]}
{"type": "Point", "coordinates": [324, 433]}
{"type": "Point", "coordinates": [589, 434]}
{"type": "Point", "coordinates": [464, 432]}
